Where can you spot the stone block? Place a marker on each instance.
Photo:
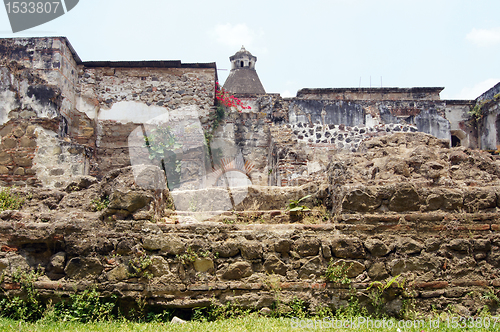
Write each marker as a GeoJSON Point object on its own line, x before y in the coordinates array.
{"type": "Point", "coordinates": [460, 245]}
{"type": "Point", "coordinates": [405, 198]}
{"type": "Point", "coordinates": [119, 273]}
{"type": "Point", "coordinates": [227, 249]}
{"type": "Point", "coordinates": [409, 246]}
{"type": "Point", "coordinates": [307, 246]}
{"type": "Point", "coordinates": [455, 292]}
{"type": "Point", "coordinates": [434, 293]}
{"type": "Point", "coordinates": [30, 130]}
{"type": "Point", "coordinates": [171, 245]}
{"type": "Point", "coordinates": [87, 132]}
{"type": "Point", "coordinates": [378, 271]}
{"type": "Point", "coordinates": [18, 132]}
{"type": "Point", "coordinates": [237, 271]}
{"type": "Point", "coordinates": [274, 265]}
{"type": "Point", "coordinates": [83, 268]}
{"type": "Point", "coordinates": [314, 267]}
{"type": "Point", "coordinates": [348, 248]}
{"type": "Point", "coordinates": [19, 171]}
{"type": "Point", "coordinates": [27, 142]}
{"type": "Point", "coordinates": [56, 172]}
{"type": "Point", "coordinates": [23, 161]}
{"type": "Point", "coordinates": [251, 250]}
{"type": "Point", "coordinates": [282, 246]}
{"type": "Point", "coordinates": [5, 158]}
{"type": "Point", "coordinates": [6, 130]}
{"type": "Point", "coordinates": [480, 199]}
{"type": "Point", "coordinates": [159, 266]}
{"type": "Point", "coordinates": [124, 247]}
{"type": "Point", "coordinates": [361, 200]}
{"type": "Point", "coordinates": [56, 150]}
{"type": "Point", "coordinates": [9, 142]}
{"type": "Point", "coordinates": [354, 268]}
{"type": "Point", "coordinates": [57, 263]}
{"type": "Point", "coordinates": [131, 200]}
{"type": "Point", "coordinates": [203, 264]}
{"type": "Point", "coordinates": [377, 247]}
{"type": "Point", "coordinates": [27, 114]}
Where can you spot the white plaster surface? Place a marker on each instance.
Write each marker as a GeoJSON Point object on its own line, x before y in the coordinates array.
{"type": "Point", "coordinates": [131, 111]}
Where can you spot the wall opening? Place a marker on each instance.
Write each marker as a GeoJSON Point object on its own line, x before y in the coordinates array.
{"type": "Point", "coordinates": [459, 138]}
{"type": "Point", "coordinates": [455, 141]}
{"type": "Point", "coordinates": [241, 63]}
{"type": "Point", "coordinates": [497, 127]}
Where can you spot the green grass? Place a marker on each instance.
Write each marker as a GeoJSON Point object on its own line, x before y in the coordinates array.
{"type": "Point", "coordinates": [252, 323]}
{"type": "Point", "coordinates": [10, 201]}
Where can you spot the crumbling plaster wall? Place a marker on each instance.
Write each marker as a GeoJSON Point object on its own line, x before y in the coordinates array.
{"type": "Point", "coordinates": [37, 90]}
{"type": "Point", "coordinates": [305, 130]}
{"type": "Point", "coordinates": [97, 105]}
{"type": "Point", "coordinates": [119, 99]}
{"type": "Point", "coordinates": [488, 121]}
{"type": "Point", "coordinates": [457, 112]}
{"type": "Point", "coordinates": [93, 106]}
{"type": "Point", "coordinates": [489, 126]}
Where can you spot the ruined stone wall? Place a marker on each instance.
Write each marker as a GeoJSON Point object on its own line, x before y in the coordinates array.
{"type": "Point", "coordinates": [427, 116]}
{"type": "Point", "coordinates": [95, 105]}
{"type": "Point", "coordinates": [490, 94]}
{"type": "Point", "coordinates": [407, 206]}
{"type": "Point", "coordinates": [38, 77]}
{"type": "Point", "coordinates": [370, 94]}
{"type": "Point", "coordinates": [327, 126]}
{"type": "Point", "coordinates": [446, 260]}
{"type": "Point", "coordinates": [461, 124]}
{"type": "Point", "coordinates": [120, 99]}
{"type": "Point", "coordinates": [18, 149]}
{"type": "Point", "coordinates": [99, 104]}
{"type": "Point", "coordinates": [488, 124]}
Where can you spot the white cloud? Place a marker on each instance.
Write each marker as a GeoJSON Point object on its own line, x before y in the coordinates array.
{"type": "Point", "coordinates": [235, 35]}
{"type": "Point", "coordinates": [484, 37]}
{"type": "Point", "coordinates": [287, 94]}
{"type": "Point", "coordinates": [477, 90]}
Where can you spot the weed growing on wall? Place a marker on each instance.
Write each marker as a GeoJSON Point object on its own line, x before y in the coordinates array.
{"type": "Point", "coordinates": [294, 205]}
{"type": "Point", "coordinates": [10, 201]}
{"type": "Point", "coordinates": [139, 266]}
{"type": "Point", "coordinates": [377, 291]}
{"type": "Point", "coordinates": [218, 312]}
{"type": "Point", "coordinates": [84, 307]}
{"type": "Point", "coordinates": [87, 306]}
{"type": "Point", "coordinates": [99, 204]}
{"type": "Point", "coordinates": [352, 309]}
{"type": "Point", "coordinates": [162, 144]}
{"type": "Point", "coordinates": [477, 112]}
{"type": "Point", "coordinates": [29, 307]}
{"type": "Point", "coordinates": [337, 273]}
{"type": "Point", "coordinates": [190, 256]}
{"type": "Point", "coordinates": [298, 308]}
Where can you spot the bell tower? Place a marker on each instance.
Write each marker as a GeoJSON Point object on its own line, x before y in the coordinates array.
{"type": "Point", "coordinates": [243, 78]}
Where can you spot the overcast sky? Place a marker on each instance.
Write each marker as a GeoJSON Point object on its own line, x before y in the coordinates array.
{"type": "Point", "coordinates": [299, 44]}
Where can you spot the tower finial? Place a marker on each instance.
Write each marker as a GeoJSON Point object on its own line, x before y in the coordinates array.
{"type": "Point", "coordinates": [243, 78]}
